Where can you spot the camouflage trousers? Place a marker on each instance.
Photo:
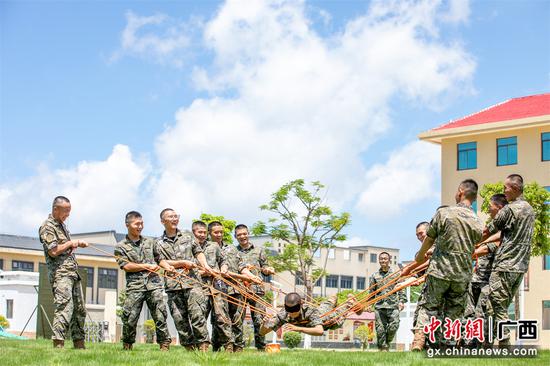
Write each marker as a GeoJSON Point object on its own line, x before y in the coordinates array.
{"type": "Point", "coordinates": [476, 303]}
{"type": "Point", "coordinates": [187, 309]}
{"type": "Point", "coordinates": [501, 291]}
{"type": "Point", "coordinates": [70, 308]}
{"type": "Point", "coordinates": [132, 309]}
{"type": "Point", "coordinates": [216, 307]}
{"type": "Point", "coordinates": [236, 315]}
{"type": "Point", "coordinates": [442, 299]}
{"type": "Point", "coordinates": [387, 323]}
{"type": "Point", "coordinates": [257, 319]}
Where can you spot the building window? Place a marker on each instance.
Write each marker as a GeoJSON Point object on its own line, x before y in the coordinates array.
{"type": "Point", "coordinates": [347, 255]}
{"type": "Point", "coordinates": [467, 156]}
{"type": "Point", "coordinates": [267, 278]}
{"type": "Point", "coordinates": [298, 280]}
{"type": "Point", "coordinates": [546, 262]}
{"type": "Point", "coordinates": [346, 282]}
{"type": "Point", "coordinates": [319, 282]}
{"type": "Point", "coordinates": [22, 266]}
{"type": "Point", "coordinates": [107, 278]}
{"type": "Point", "coordinates": [545, 146]}
{"type": "Point", "coordinates": [89, 284]}
{"type": "Point", "coordinates": [1, 264]}
{"type": "Point", "coordinates": [373, 258]}
{"type": "Point", "coordinates": [360, 283]}
{"type": "Point", "coordinates": [360, 257]}
{"type": "Point", "coordinates": [331, 254]}
{"type": "Point", "coordinates": [9, 309]}
{"type": "Point", "coordinates": [507, 151]}
{"type": "Point", "coordinates": [474, 206]}
{"type": "Point", "coordinates": [546, 315]}
{"type": "Point", "coordinates": [332, 281]}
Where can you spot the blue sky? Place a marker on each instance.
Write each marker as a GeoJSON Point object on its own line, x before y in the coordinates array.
{"type": "Point", "coordinates": [209, 106]}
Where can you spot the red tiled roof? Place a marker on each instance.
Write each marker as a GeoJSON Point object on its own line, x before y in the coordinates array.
{"type": "Point", "coordinates": [516, 108]}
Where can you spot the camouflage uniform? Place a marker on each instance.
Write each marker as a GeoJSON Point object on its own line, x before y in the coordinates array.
{"type": "Point", "coordinates": [309, 318]}
{"type": "Point", "coordinates": [334, 320]}
{"type": "Point", "coordinates": [457, 230]}
{"type": "Point", "coordinates": [255, 257]}
{"type": "Point", "coordinates": [216, 304]}
{"type": "Point", "coordinates": [233, 259]}
{"type": "Point", "coordinates": [70, 309]}
{"type": "Point", "coordinates": [516, 222]}
{"type": "Point", "coordinates": [476, 305]}
{"type": "Point", "coordinates": [386, 311]}
{"type": "Point", "coordinates": [142, 286]}
{"type": "Point", "coordinates": [186, 300]}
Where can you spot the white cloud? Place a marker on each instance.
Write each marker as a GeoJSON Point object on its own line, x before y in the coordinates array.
{"type": "Point", "coordinates": [158, 37]}
{"type": "Point", "coordinates": [409, 176]}
{"type": "Point", "coordinates": [300, 106]}
{"type": "Point", "coordinates": [284, 103]}
{"type": "Point", "coordinates": [100, 193]}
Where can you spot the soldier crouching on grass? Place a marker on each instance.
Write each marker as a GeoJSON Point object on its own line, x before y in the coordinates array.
{"type": "Point", "coordinates": [70, 310]}
{"type": "Point", "coordinates": [295, 312]}
{"type": "Point", "coordinates": [135, 256]}
{"type": "Point", "coordinates": [305, 318]}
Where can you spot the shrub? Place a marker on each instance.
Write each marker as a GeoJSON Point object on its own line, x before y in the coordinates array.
{"type": "Point", "coordinates": [4, 323]}
{"type": "Point", "coordinates": [292, 339]}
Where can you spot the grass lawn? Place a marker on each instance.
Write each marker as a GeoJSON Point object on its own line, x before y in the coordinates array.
{"type": "Point", "coordinates": [40, 352]}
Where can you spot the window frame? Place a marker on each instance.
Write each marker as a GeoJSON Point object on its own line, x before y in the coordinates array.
{"type": "Point", "coordinates": [458, 151]}
{"type": "Point", "coordinates": [22, 262]}
{"type": "Point", "coordinates": [349, 280]}
{"type": "Point", "coordinates": [364, 279]}
{"type": "Point", "coordinates": [100, 276]}
{"type": "Point", "coordinates": [507, 149]}
{"type": "Point", "coordinates": [328, 278]}
{"type": "Point", "coordinates": [542, 141]}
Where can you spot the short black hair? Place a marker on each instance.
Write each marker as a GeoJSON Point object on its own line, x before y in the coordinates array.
{"type": "Point", "coordinates": [386, 253]}
{"type": "Point", "coordinates": [292, 299]}
{"type": "Point", "coordinates": [214, 223]}
{"type": "Point", "coordinates": [240, 226]}
{"type": "Point", "coordinates": [470, 188]}
{"type": "Point", "coordinates": [423, 223]}
{"type": "Point", "coordinates": [499, 199]}
{"type": "Point", "coordinates": [59, 199]}
{"type": "Point", "coordinates": [198, 223]}
{"type": "Point", "coordinates": [517, 181]}
{"type": "Point", "coordinates": [132, 215]}
{"type": "Point", "coordinates": [164, 211]}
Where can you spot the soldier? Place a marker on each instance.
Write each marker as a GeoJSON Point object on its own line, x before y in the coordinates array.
{"type": "Point", "coordinates": [176, 251]}
{"type": "Point", "coordinates": [457, 229]}
{"type": "Point", "coordinates": [297, 317]}
{"type": "Point", "coordinates": [421, 229]}
{"type": "Point", "coordinates": [516, 223]}
{"type": "Point", "coordinates": [215, 306]}
{"type": "Point", "coordinates": [335, 319]}
{"type": "Point", "coordinates": [235, 264]}
{"type": "Point", "coordinates": [135, 256]}
{"type": "Point", "coordinates": [70, 310]}
{"type": "Point", "coordinates": [485, 255]}
{"type": "Point", "coordinates": [256, 258]}
{"type": "Point", "coordinates": [386, 310]}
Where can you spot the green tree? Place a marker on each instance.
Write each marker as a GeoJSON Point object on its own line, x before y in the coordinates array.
{"type": "Point", "coordinates": [228, 225]}
{"type": "Point", "coordinates": [292, 339]}
{"type": "Point", "coordinates": [365, 335]}
{"type": "Point", "coordinates": [150, 327]}
{"type": "Point", "coordinates": [305, 224]}
{"type": "Point", "coordinates": [4, 323]}
{"type": "Point", "coordinates": [538, 198]}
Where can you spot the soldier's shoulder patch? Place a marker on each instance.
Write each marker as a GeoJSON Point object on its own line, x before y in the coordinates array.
{"type": "Point", "coordinates": [49, 236]}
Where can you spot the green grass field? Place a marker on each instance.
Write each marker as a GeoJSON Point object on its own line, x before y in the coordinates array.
{"type": "Point", "coordinates": [18, 353]}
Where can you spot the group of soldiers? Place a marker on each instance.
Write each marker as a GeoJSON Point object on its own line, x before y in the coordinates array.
{"type": "Point", "coordinates": [192, 268]}
{"type": "Point", "coordinates": [454, 288]}
{"type": "Point", "coordinates": [195, 264]}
